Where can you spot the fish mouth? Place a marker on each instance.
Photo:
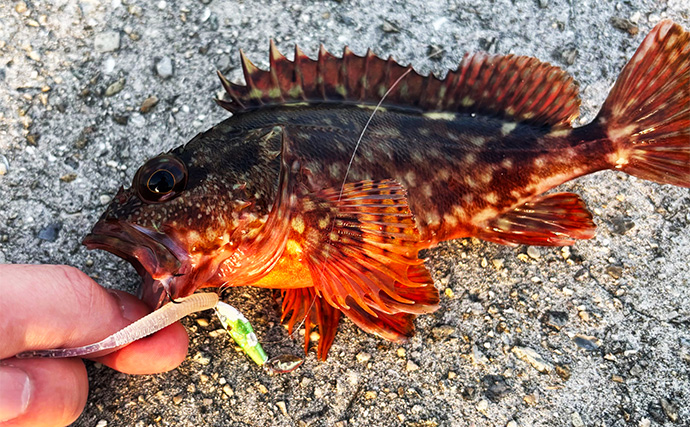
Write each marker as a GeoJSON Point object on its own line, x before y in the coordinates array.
{"type": "Point", "coordinates": [157, 258]}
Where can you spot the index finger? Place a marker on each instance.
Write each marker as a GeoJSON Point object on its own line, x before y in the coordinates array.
{"type": "Point", "coordinates": [49, 306]}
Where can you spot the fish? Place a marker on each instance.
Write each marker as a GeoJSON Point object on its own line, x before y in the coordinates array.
{"type": "Point", "coordinates": [332, 174]}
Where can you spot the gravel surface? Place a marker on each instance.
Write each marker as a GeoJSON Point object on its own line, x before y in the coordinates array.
{"type": "Point", "coordinates": [592, 335]}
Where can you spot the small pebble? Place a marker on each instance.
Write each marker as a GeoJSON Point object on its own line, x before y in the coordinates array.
{"type": "Point", "coordinates": [137, 120]}
{"type": "Point", "coordinates": [530, 399]}
{"type": "Point", "coordinates": [148, 104]}
{"type": "Point", "coordinates": [621, 225]}
{"type": "Point", "coordinates": [669, 409]}
{"type": "Point", "coordinates": [530, 356]}
{"type": "Point", "coordinates": [108, 41]}
{"type": "Point", "coordinates": [387, 27]}
{"type": "Point", "coordinates": [164, 67]}
{"type": "Point", "coordinates": [177, 399]}
{"type": "Point", "coordinates": [523, 257]}
{"type": "Point", "coordinates": [4, 165]}
{"type": "Point", "coordinates": [411, 366]}
{"type": "Point", "coordinates": [104, 199]}
{"type": "Point", "coordinates": [442, 331]}
{"type": "Point", "coordinates": [401, 352]}
{"type": "Point", "coordinates": [563, 371]}
{"type": "Point", "coordinates": [370, 395]}
{"type": "Point", "coordinates": [363, 357]}
{"type": "Point", "coordinates": [69, 177]}
{"type": "Point", "coordinates": [569, 56]}
{"type": "Point", "coordinates": [102, 423]}
{"type": "Point", "coordinates": [576, 420]}
{"type": "Point", "coordinates": [614, 271]}
{"type": "Point", "coordinates": [496, 387]}
{"type": "Point", "coordinates": [20, 7]}
{"type": "Point", "coordinates": [555, 319]}
{"type": "Point", "coordinates": [283, 408]}
{"type": "Point", "coordinates": [262, 389]}
{"type": "Point", "coordinates": [223, 63]}
{"type": "Point", "coordinates": [50, 232]}
{"type": "Point", "coordinates": [587, 342]}
{"type": "Point", "coordinates": [115, 88]}
{"type": "Point", "coordinates": [202, 322]}
{"type": "Point", "coordinates": [626, 25]}
{"type": "Point", "coordinates": [533, 252]}
{"type": "Point", "coordinates": [228, 390]}
{"type": "Point", "coordinates": [201, 359]}
{"type": "Point", "coordinates": [483, 405]}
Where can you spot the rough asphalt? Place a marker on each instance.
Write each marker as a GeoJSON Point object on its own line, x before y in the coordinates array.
{"type": "Point", "coordinates": [593, 335]}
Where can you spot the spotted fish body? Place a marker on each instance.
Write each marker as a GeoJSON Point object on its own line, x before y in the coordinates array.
{"type": "Point", "coordinates": [332, 174]}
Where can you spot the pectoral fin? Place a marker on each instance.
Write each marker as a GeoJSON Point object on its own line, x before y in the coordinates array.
{"type": "Point", "coordinates": [361, 245]}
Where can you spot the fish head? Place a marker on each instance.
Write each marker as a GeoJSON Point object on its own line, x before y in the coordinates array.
{"type": "Point", "coordinates": [183, 217]}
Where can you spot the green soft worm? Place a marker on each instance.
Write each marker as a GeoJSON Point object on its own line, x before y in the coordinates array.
{"type": "Point", "coordinates": [241, 331]}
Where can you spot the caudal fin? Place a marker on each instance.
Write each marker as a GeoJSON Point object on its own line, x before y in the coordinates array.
{"type": "Point", "coordinates": [647, 114]}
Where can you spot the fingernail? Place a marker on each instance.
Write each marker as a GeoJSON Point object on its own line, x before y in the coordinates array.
{"type": "Point", "coordinates": [15, 392]}
{"type": "Point", "coordinates": [128, 310]}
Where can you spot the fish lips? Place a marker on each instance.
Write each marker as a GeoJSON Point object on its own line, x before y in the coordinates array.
{"type": "Point", "coordinates": [156, 257]}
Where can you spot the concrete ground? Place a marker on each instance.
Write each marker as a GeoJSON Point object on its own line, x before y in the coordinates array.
{"type": "Point", "coordinates": [605, 320]}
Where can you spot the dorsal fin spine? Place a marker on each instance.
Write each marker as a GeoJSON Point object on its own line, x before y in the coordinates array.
{"type": "Point", "coordinates": [320, 65]}
{"type": "Point", "coordinates": [299, 76]}
{"type": "Point", "coordinates": [512, 87]}
{"type": "Point", "coordinates": [229, 90]}
{"type": "Point", "coordinates": [249, 70]}
{"type": "Point", "coordinates": [275, 61]}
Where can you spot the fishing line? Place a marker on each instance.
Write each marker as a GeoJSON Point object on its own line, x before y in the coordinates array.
{"type": "Point", "coordinates": [361, 135]}
{"type": "Point", "coordinates": [347, 171]}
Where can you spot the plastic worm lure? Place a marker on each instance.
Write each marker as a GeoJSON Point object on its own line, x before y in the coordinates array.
{"type": "Point", "coordinates": [236, 324]}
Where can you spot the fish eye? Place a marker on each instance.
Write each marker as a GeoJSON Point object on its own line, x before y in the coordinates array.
{"type": "Point", "coordinates": [161, 182]}
{"type": "Point", "coordinates": [160, 179]}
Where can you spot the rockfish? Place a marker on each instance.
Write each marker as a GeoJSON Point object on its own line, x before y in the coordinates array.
{"type": "Point", "coordinates": [332, 174]}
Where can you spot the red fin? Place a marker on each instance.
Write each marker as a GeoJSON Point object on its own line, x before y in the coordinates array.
{"type": "Point", "coordinates": [363, 256]}
{"type": "Point", "coordinates": [299, 302]}
{"type": "Point", "coordinates": [513, 87]}
{"type": "Point", "coordinates": [647, 113]}
{"type": "Point", "coordinates": [396, 327]}
{"type": "Point", "coordinates": [552, 220]}
{"type": "Point", "coordinates": [426, 297]}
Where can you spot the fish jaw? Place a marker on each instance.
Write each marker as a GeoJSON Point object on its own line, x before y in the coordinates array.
{"type": "Point", "coordinates": [156, 257]}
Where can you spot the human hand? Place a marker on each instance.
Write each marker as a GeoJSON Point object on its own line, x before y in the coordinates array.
{"type": "Point", "coordinates": [54, 306]}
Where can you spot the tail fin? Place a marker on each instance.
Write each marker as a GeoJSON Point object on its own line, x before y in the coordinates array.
{"type": "Point", "coordinates": [647, 114]}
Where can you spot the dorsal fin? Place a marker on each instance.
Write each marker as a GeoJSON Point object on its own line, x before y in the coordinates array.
{"type": "Point", "coordinates": [513, 87]}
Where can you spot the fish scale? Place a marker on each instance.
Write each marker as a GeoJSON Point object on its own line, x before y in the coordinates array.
{"type": "Point", "coordinates": [281, 195]}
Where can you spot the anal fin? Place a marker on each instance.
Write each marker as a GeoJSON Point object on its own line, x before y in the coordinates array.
{"type": "Point", "coordinates": [302, 304]}
{"type": "Point", "coordinates": [551, 220]}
